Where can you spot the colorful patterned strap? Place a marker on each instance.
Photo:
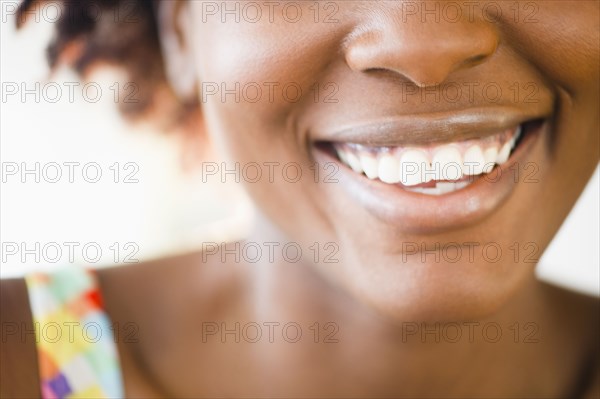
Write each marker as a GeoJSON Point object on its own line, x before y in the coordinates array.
{"type": "Point", "coordinates": [77, 354]}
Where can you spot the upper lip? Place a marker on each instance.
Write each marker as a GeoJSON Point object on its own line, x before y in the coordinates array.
{"type": "Point", "coordinates": [428, 128]}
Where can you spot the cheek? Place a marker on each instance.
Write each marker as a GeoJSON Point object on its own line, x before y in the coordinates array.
{"type": "Point", "coordinates": [253, 85]}
{"type": "Point", "coordinates": [242, 91]}
{"type": "Point", "coordinates": [560, 40]}
{"type": "Point", "coordinates": [256, 78]}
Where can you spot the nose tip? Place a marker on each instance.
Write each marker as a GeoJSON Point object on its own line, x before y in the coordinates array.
{"type": "Point", "coordinates": [426, 53]}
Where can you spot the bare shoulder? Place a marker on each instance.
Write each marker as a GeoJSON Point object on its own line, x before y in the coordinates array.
{"type": "Point", "coordinates": [192, 270]}
{"type": "Point", "coordinates": [575, 304]}
{"type": "Point", "coordinates": [18, 357]}
{"type": "Point", "coordinates": [145, 293]}
{"type": "Point", "coordinates": [594, 388]}
{"type": "Point", "coordinates": [581, 318]}
{"type": "Point", "coordinates": [591, 388]}
{"type": "Point", "coordinates": [593, 378]}
{"type": "Point", "coordinates": [150, 303]}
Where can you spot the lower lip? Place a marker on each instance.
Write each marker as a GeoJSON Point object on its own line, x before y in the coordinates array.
{"type": "Point", "coordinates": [426, 214]}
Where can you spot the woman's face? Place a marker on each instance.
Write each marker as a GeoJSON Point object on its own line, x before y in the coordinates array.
{"type": "Point", "coordinates": [398, 87]}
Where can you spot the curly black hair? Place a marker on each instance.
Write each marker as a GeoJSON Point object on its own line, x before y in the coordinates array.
{"type": "Point", "coordinates": [124, 33]}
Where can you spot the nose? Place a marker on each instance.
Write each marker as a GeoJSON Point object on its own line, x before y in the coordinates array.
{"type": "Point", "coordinates": [426, 53]}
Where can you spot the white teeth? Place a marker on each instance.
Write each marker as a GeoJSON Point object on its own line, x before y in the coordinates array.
{"type": "Point", "coordinates": [461, 184]}
{"type": "Point", "coordinates": [342, 154]}
{"type": "Point", "coordinates": [474, 161]}
{"type": "Point", "coordinates": [425, 190]}
{"type": "Point", "coordinates": [503, 154]}
{"type": "Point", "coordinates": [440, 188]}
{"type": "Point", "coordinates": [514, 138]}
{"type": "Point", "coordinates": [412, 167]}
{"type": "Point", "coordinates": [416, 189]}
{"type": "Point", "coordinates": [389, 169]}
{"type": "Point", "coordinates": [490, 155]}
{"type": "Point", "coordinates": [370, 165]}
{"type": "Point", "coordinates": [354, 162]}
{"type": "Point", "coordinates": [445, 187]}
{"type": "Point", "coordinates": [447, 163]}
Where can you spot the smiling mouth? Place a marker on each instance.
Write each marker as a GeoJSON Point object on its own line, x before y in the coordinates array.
{"type": "Point", "coordinates": [432, 169]}
{"type": "Point", "coordinates": [424, 175]}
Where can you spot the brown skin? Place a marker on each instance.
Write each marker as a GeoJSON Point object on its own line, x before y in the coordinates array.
{"type": "Point", "coordinates": [167, 358]}
{"type": "Point", "coordinates": [370, 292]}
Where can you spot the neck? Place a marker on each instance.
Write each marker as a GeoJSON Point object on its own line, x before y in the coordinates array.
{"type": "Point", "coordinates": [520, 330]}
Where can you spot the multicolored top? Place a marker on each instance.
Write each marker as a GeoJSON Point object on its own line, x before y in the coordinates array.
{"type": "Point", "coordinates": [77, 354]}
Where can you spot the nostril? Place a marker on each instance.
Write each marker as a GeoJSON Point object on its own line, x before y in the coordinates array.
{"type": "Point", "coordinates": [402, 50]}
{"type": "Point", "coordinates": [477, 59]}
{"type": "Point", "coordinates": [471, 62]}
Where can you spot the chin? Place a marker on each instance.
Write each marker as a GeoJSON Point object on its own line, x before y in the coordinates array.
{"type": "Point", "coordinates": [407, 290]}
